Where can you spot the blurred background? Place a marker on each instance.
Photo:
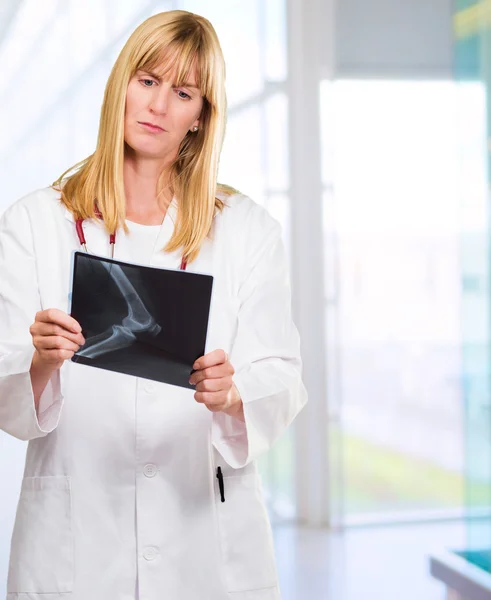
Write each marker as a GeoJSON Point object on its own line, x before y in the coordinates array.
{"type": "Point", "coordinates": [362, 126]}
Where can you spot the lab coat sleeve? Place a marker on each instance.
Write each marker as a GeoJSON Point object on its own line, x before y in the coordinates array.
{"type": "Point", "coordinates": [19, 302]}
{"type": "Point", "coordinates": [265, 356]}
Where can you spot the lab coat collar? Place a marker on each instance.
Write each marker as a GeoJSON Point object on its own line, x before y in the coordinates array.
{"type": "Point", "coordinates": [171, 211]}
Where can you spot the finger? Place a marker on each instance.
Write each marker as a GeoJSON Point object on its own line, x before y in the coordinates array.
{"type": "Point", "coordinates": [216, 357]}
{"type": "Point", "coordinates": [54, 315]}
{"type": "Point", "coordinates": [214, 385]}
{"type": "Point", "coordinates": [213, 401]}
{"type": "Point", "coordinates": [56, 356]}
{"type": "Point", "coordinates": [55, 342]}
{"type": "Point", "coordinates": [50, 329]}
{"type": "Point", "coordinates": [216, 372]}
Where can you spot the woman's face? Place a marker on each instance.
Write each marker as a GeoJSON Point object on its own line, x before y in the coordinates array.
{"type": "Point", "coordinates": [159, 115]}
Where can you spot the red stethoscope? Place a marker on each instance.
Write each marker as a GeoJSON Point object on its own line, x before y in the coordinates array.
{"type": "Point", "coordinates": [112, 238]}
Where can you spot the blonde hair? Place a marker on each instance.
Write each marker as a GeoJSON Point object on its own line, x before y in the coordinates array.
{"type": "Point", "coordinates": [156, 44]}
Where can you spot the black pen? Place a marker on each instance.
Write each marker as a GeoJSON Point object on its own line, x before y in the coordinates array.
{"type": "Point", "coordinates": [220, 484]}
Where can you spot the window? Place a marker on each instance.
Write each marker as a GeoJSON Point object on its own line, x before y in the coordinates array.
{"type": "Point", "coordinates": [394, 234]}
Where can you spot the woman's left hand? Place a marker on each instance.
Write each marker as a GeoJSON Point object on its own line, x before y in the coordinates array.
{"type": "Point", "coordinates": [214, 384]}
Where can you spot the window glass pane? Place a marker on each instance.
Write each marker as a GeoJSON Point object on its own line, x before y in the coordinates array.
{"type": "Point", "coordinates": [238, 26]}
{"type": "Point", "coordinates": [124, 14]}
{"type": "Point", "coordinates": [275, 40]}
{"type": "Point", "coordinates": [27, 31]}
{"type": "Point", "coordinates": [276, 469]}
{"type": "Point", "coordinates": [241, 164]}
{"type": "Point", "coordinates": [276, 141]}
{"type": "Point", "coordinates": [89, 28]}
{"type": "Point", "coordinates": [396, 247]}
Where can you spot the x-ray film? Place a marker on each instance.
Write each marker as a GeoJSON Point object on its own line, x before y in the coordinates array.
{"type": "Point", "coordinates": [143, 321]}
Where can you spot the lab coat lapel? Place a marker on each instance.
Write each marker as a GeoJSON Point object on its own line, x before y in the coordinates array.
{"type": "Point", "coordinates": [96, 236]}
{"type": "Point", "coordinates": [167, 260]}
{"type": "Point", "coordinates": [98, 242]}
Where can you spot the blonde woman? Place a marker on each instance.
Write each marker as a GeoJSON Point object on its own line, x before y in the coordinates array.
{"type": "Point", "coordinates": [134, 488]}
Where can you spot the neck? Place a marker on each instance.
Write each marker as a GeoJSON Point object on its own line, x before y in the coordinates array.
{"type": "Point", "coordinates": [141, 177]}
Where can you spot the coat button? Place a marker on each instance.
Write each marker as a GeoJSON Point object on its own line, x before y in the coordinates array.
{"type": "Point", "coordinates": [150, 470]}
{"type": "Point", "coordinates": [150, 553]}
{"type": "Point", "coordinates": [149, 387]}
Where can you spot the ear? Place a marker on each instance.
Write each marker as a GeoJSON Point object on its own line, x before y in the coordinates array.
{"type": "Point", "coordinates": [195, 126]}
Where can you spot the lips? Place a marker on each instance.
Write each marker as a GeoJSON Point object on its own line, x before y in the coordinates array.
{"type": "Point", "coordinates": [151, 127]}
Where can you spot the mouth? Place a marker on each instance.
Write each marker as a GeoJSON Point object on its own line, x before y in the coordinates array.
{"type": "Point", "coordinates": [151, 127]}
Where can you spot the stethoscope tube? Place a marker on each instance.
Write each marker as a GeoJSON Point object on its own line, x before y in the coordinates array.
{"type": "Point", "coordinates": [79, 228]}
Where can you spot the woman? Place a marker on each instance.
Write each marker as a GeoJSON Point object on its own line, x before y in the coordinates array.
{"type": "Point", "coordinates": [120, 496]}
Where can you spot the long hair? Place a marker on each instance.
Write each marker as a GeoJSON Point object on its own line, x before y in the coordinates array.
{"type": "Point", "coordinates": [176, 41]}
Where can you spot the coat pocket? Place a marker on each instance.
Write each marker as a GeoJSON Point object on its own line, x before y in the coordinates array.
{"type": "Point", "coordinates": [245, 535]}
{"type": "Point", "coordinates": [41, 559]}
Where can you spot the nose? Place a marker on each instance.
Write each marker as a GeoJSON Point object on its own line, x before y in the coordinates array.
{"type": "Point", "coordinates": [160, 100]}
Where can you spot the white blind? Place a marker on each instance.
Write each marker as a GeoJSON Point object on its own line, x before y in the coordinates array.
{"type": "Point", "coordinates": [8, 10]}
{"type": "Point", "coordinates": [410, 39]}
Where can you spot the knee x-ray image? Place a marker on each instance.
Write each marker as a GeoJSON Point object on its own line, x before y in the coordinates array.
{"type": "Point", "coordinates": [143, 321]}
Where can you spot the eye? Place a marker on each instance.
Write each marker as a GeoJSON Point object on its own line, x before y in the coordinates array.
{"type": "Point", "coordinates": [183, 95]}
{"type": "Point", "coordinates": [146, 82]}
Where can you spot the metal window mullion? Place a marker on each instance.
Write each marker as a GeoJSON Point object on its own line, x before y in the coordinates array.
{"type": "Point", "coordinates": [306, 33]}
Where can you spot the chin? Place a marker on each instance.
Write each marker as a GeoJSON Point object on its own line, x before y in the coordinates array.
{"type": "Point", "coordinates": [147, 150]}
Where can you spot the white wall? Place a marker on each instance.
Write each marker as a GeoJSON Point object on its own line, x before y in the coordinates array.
{"type": "Point", "coordinates": [394, 39]}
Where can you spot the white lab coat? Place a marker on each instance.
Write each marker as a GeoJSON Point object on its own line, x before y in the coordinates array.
{"type": "Point", "coordinates": [120, 479]}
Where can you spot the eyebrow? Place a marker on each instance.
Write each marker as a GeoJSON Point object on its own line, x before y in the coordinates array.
{"type": "Point", "coordinates": [154, 75]}
{"type": "Point", "coordinates": [187, 84]}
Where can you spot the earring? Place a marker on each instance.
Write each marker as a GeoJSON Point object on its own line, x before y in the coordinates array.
{"type": "Point", "coordinates": [195, 129]}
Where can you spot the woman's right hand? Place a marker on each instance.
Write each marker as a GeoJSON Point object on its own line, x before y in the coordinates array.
{"type": "Point", "coordinates": [56, 337]}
